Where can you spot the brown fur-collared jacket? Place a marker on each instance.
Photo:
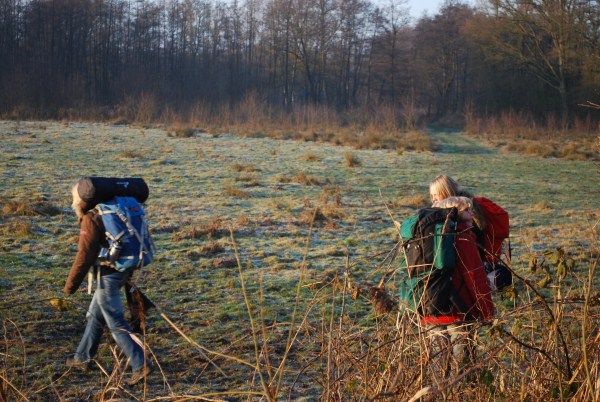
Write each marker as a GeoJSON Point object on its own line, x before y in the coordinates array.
{"type": "Point", "coordinates": [91, 239]}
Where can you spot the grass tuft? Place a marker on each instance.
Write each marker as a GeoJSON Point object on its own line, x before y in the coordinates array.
{"type": "Point", "coordinates": [212, 248]}
{"type": "Point", "coordinates": [17, 229]}
{"type": "Point", "coordinates": [311, 157]}
{"type": "Point", "coordinates": [310, 216]}
{"type": "Point", "coordinates": [542, 206]}
{"type": "Point", "coordinates": [22, 207]}
{"type": "Point", "coordinates": [131, 154]}
{"type": "Point", "coordinates": [211, 229]}
{"type": "Point", "coordinates": [232, 191]}
{"type": "Point", "coordinates": [307, 180]}
{"type": "Point", "coordinates": [351, 160]}
{"type": "Point", "coordinates": [249, 180]}
{"type": "Point", "coordinates": [240, 167]}
{"type": "Point", "coordinates": [224, 262]}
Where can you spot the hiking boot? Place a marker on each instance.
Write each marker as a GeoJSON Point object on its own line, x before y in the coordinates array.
{"type": "Point", "coordinates": [140, 374]}
{"type": "Point", "coordinates": [77, 364]}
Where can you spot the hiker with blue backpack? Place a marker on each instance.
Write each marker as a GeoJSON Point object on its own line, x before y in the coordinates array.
{"type": "Point", "coordinates": [113, 242]}
{"type": "Point", "coordinates": [445, 251]}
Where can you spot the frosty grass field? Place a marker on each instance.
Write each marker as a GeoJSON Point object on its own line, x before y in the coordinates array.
{"type": "Point", "coordinates": [266, 191]}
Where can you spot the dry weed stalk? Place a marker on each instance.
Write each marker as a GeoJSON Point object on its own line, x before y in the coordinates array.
{"type": "Point", "coordinates": [386, 361]}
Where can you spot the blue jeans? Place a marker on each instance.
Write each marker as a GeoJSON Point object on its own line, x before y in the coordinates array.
{"type": "Point", "coordinates": [106, 309]}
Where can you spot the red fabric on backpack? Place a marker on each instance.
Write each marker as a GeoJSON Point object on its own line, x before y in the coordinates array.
{"type": "Point", "coordinates": [497, 227]}
{"type": "Point", "coordinates": [469, 280]}
{"type": "Point", "coordinates": [469, 277]}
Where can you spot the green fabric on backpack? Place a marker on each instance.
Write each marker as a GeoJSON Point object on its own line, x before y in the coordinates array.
{"type": "Point", "coordinates": [427, 253]}
{"type": "Point", "coordinates": [410, 292]}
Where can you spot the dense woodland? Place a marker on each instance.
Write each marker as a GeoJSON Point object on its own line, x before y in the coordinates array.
{"type": "Point", "coordinates": [541, 57]}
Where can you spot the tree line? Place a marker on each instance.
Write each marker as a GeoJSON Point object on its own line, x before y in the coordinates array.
{"type": "Point", "coordinates": [535, 56]}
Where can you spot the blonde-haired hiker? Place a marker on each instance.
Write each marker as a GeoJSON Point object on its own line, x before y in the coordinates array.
{"type": "Point", "coordinates": [491, 223]}
{"type": "Point", "coordinates": [452, 333]}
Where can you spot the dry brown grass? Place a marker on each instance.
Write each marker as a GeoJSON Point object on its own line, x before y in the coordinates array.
{"type": "Point", "coordinates": [583, 149]}
{"type": "Point", "coordinates": [412, 201]}
{"type": "Point", "coordinates": [307, 180]}
{"type": "Point", "coordinates": [530, 147]}
{"type": "Point", "coordinates": [29, 207]}
{"type": "Point", "coordinates": [311, 157]}
{"type": "Point", "coordinates": [209, 229]}
{"type": "Point", "coordinates": [131, 154]}
{"type": "Point", "coordinates": [248, 180]}
{"type": "Point", "coordinates": [351, 160]}
{"type": "Point", "coordinates": [224, 262]}
{"type": "Point", "coordinates": [232, 191]}
{"type": "Point", "coordinates": [247, 168]}
{"type": "Point", "coordinates": [521, 133]}
{"type": "Point", "coordinates": [415, 141]}
{"type": "Point", "coordinates": [543, 206]}
{"type": "Point", "coordinates": [333, 211]}
{"type": "Point", "coordinates": [558, 338]}
{"type": "Point", "coordinates": [17, 229]}
{"type": "Point", "coordinates": [212, 248]}
{"type": "Point", "coordinates": [207, 250]}
{"type": "Point", "coordinates": [331, 194]}
{"type": "Point", "coordinates": [311, 216]}
{"type": "Point", "coordinates": [379, 126]}
{"type": "Point", "coordinates": [373, 127]}
{"type": "Point", "coordinates": [242, 221]}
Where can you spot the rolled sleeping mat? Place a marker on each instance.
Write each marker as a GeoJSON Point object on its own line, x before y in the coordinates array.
{"type": "Point", "coordinates": [93, 190]}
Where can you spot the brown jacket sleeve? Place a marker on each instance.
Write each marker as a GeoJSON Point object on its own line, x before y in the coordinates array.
{"type": "Point", "coordinates": [91, 237]}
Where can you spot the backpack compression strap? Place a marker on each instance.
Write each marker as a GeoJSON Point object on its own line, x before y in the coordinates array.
{"type": "Point", "coordinates": [131, 229]}
{"type": "Point", "coordinates": [138, 235]}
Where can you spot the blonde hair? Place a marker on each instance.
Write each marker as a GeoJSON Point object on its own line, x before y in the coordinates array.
{"type": "Point", "coordinates": [78, 203]}
{"type": "Point", "coordinates": [444, 186]}
{"type": "Point", "coordinates": [460, 203]}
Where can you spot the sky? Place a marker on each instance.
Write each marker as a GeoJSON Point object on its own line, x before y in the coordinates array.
{"type": "Point", "coordinates": [417, 7]}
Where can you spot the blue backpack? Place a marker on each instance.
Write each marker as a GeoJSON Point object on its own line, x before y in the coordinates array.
{"type": "Point", "coordinates": [129, 243]}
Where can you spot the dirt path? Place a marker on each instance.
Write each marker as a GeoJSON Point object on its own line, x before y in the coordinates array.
{"type": "Point", "coordinates": [455, 142]}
